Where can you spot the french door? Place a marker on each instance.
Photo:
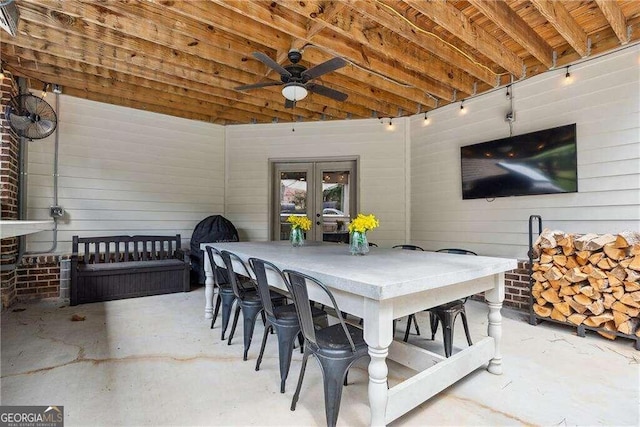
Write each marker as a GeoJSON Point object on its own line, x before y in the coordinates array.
{"type": "Point", "coordinates": [324, 191]}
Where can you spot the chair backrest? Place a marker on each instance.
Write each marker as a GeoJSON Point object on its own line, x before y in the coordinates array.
{"type": "Point", "coordinates": [260, 268]}
{"type": "Point", "coordinates": [217, 274]}
{"type": "Point", "coordinates": [408, 247]}
{"type": "Point", "coordinates": [298, 282]}
{"type": "Point", "coordinates": [457, 251]}
{"type": "Point", "coordinates": [229, 258]}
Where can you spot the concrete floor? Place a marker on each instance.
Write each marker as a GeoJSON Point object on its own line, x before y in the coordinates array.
{"type": "Point", "coordinates": [154, 361]}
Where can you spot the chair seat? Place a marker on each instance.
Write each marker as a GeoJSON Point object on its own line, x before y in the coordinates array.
{"type": "Point", "coordinates": [332, 340]}
{"type": "Point", "coordinates": [289, 312]}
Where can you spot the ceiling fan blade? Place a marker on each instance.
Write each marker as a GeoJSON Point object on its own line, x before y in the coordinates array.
{"type": "Point", "coordinates": [324, 68]}
{"type": "Point", "coordinates": [328, 92]}
{"type": "Point", "coordinates": [271, 63]}
{"type": "Point", "coordinates": [19, 122]}
{"type": "Point", "coordinates": [257, 85]}
{"type": "Point", "coordinates": [289, 104]}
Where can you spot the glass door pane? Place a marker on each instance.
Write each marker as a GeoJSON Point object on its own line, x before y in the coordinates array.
{"type": "Point", "coordinates": [294, 189]}
{"type": "Point", "coordinates": [337, 198]}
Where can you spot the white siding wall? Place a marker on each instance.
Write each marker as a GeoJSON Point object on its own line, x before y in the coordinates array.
{"type": "Point", "coordinates": [381, 169]}
{"type": "Point", "coordinates": [603, 101]}
{"type": "Point", "coordinates": [125, 171]}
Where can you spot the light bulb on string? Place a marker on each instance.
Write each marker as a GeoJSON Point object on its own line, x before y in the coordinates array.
{"type": "Point", "coordinates": [462, 109]}
{"type": "Point", "coordinates": [44, 90]}
{"type": "Point", "coordinates": [426, 120]}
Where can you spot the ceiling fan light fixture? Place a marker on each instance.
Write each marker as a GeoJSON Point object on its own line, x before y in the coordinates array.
{"type": "Point", "coordinates": [294, 92]}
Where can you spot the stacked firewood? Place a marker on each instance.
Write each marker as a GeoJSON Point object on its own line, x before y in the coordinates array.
{"type": "Point", "coordinates": [591, 280]}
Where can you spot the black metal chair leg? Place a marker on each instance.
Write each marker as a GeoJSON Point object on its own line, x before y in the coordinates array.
{"type": "Point", "coordinates": [334, 372]}
{"type": "Point", "coordinates": [301, 341]}
{"type": "Point", "coordinates": [447, 334]}
{"type": "Point", "coordinates": [433, 320]}
{"type": "Point", "coordinates": [264, 344]}
{"type": "Point", "coordinates": [415, 323]}
{"type": "Point", "coordinates": [463, 314]}
{"type": "Point", "coordinates": [235, 323]}
{"type": "Point", "coordinates": [303, 368]}
{"type": "Point", "coordinates": [249, 316]}
{"type": "Point", "coordinates": [215, 310]}
{"type": "Point", "coordinates": [406, 332]}
{"type": "Point", "coordinates": [286, 339]}
{"type": "Point", "coordinates": [227, 306]}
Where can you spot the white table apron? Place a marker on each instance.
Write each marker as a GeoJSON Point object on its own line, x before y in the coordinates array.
{"type": "Point", "coordinates": [388, 284]}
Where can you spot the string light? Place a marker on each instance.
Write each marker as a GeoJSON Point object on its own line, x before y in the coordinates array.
{"type": "Point", "coordinates": [426, 120]}
{"type": "Point", "coordinates": [568, 78]}
{"type": "Point", "coordinates": [462, 109]}
{"type": "Point", "coordinates": [44, 90]}
{"type": "Point", "coordinates": [1, 73]}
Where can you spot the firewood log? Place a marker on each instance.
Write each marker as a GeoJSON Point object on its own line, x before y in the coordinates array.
{"type": "Point", "coordinates": [628, 327]}
{"type": "Point", "coordinates": [619, 272]}
{"type": "Point", "coordinates": [635, 249]}
{"type": "Point", "coordinates": [618, 292]}
{"type": "Point", "coordinates": [632, 286]}
{"type": "Point", "coordinates": [592, 242]}
{"type": "Point", "coordinates": [563, 307]}
{"type": "Point", "coordinates": [631, 311]}
{"type": "Point", "coordinates": [545, 267]}
{"type": "Point", "coordinates": [566, 291]}
{"type": "Point", "coordinates": [551, 251]}
{"type": "Point", "coordinates": [539, 276]}
{"type": "Point", "coordinates": [625, 262]}
{"type": "Point", "coordinates": [555, 284]}
{"type": "Point", "coordinates": [545, 259]}
{"type": "Point", "coordinates": [556, 315]}
{"type": "Point", "coordinates": [575, 275]}
{"type": "Point", "coordinates": [582, 300]}
{"type": "Point", "coordinates": [576, 318]}
{"type": "Point", "coordinates": [635, 263]}
{"type": "Point", "coordinates": [542, 311]}
{"type": "Point", "coordinates": [576, 306]}
{"type": "Point", "coordinates": [613, 252]}
{"type": "Point", "coordinates": [568, 249]}
{"type": "Point", "coordinates": [553, 274]}
{"type": "Point", "coordinates": [607, 264]}
{"type": "Point", "coordinates": [582, 257]}
{"type": "Point", "coordinates": [632, 275]}
{"type": "Point", "coordinates": [541, 301]}
{"type": "Point", "coordinates": [596, 307]}
{"type": "Point", "coordinates": [627, 299]}
{"type": "Point", "coordinates": [596, 273]}
{"type": "Point", "coordinates": [635, 295]}
{"type": "Point", "coordinates": [609, 326]}
{"type": "Point", "coordinates": [587, 290]}
{"type": "Point", "coordinates": [550, 295]}
{"type": "Point", "coordinates": [613, 280]}
{"type": "Point", "coordinates": [608, 301]}
{"type": "Point", "coordinates": [599, 284]}
{"type": "Point", "coordinates": [560, 260]}
{"type": "Point", "coordinates": [571, 262]}
{"type": "Point", "coordinates": [581, 242]}
{"type": "Point", "coordinates": [627, 238]}
{"type": "Point", "coordinates": [596, 321]}
{"type": "Point", "coordinates": [596, 258]}
{"type": "Point", "coordinates": [619, 317]}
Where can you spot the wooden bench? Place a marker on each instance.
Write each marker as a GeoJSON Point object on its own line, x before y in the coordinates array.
{"type": "Point", "coordinates": [117, 267]}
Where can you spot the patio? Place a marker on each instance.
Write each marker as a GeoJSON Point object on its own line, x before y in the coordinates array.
{"type": "Point", "coordinates": [154, 361]}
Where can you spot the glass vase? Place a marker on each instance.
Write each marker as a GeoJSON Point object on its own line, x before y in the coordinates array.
{"type": "Point", "coordinates": [358, 243]}
{"type": "Point", "coordinates": [296, 237]}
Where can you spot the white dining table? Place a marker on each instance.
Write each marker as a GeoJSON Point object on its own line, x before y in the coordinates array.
{"type": "Point", "coordinates": [384, 285]}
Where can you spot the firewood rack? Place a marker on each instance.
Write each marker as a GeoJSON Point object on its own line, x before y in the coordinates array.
{"type": "Point", "coordinates": [534, 319]}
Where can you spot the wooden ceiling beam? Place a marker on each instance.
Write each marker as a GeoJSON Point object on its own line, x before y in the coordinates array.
{"type": "Point", "coordinates": [113, 86]}
{"type": "Point", "coordinates": [451, 19]}
{"type": "Point", "coordinates": [613, 13]}
{"type": "Point", "coordinates": [516, 27]}
{"type": "Point", "coordinates": [388, 15]}
{"type": "Point", "coordinates": [263, 14]}
{"type": "Point", "coordinates": [388, 45]}
{"type": "Point", "coordinates": [329, 11]}
{"type": "Point", "coordinates": [232, 22]}
{"type": "Point", "coordinates": [563, 22]}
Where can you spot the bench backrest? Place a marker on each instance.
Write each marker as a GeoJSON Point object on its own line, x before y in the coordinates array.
{"type": "Point", "coordinates": [95, 250]}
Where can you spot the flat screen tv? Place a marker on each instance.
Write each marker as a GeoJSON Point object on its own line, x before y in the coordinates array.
{"type": "Point", "coordinates": [542, 162]}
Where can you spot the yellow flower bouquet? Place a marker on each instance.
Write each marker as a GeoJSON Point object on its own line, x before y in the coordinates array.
{"type": "Point", "coordinates": [358, 243]}
{"type": "Point", "coordinates": [298, 225]}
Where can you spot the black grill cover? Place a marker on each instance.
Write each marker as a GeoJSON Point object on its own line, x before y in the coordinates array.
{"type": "Point", "coordinates": [215, 228]}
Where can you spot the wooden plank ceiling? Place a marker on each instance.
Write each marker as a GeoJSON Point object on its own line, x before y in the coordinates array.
{"type": "Point", "coordinates": [184, 58]}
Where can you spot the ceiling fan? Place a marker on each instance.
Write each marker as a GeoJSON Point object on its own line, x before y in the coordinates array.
{"type": "Point", "coordinates": [297, 78]}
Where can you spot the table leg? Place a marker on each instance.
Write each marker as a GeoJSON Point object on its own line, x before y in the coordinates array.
{"type": "Point", "coordinates": [494, 298]}
{"type": "Point", "coordinates": [208, 288]}
{"type": "Point", "coordinates": [378, 320]}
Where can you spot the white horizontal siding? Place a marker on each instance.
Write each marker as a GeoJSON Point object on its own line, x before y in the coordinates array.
{"type": "Point", "coordinates": [125, 171]}
{"type": "Point", "coordinates": [603, 101]}
{"type": "Point", "coordinates": [381, 171]}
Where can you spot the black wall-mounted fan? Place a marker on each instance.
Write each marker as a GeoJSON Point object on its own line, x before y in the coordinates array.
{"type": "Point", "coordinates": [297, 78]}
{"type": "Point", "coordinates": [31, 117]}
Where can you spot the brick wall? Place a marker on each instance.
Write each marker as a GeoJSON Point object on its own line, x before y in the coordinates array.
{"type": "Point", "coordinates": [9, 173]}
{"type": "Point", "coordinates": [516, 284]}
{"type": "Point", "coordinates": [38, 277]}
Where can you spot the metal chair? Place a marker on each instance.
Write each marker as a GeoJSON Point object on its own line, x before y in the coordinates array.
{"type": "Point", "coordinates": [447, 313]}
{"type": "Point", "coordinates": [412, 317]}
{"type": "Point", "coordinates": [247, 300]}
{"type": "Point", "coordinates": [335, 347]}
{"type": "Point", "coordinates": [282, 319]}
{"type": "Point", "coordinates": [225, 297]}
